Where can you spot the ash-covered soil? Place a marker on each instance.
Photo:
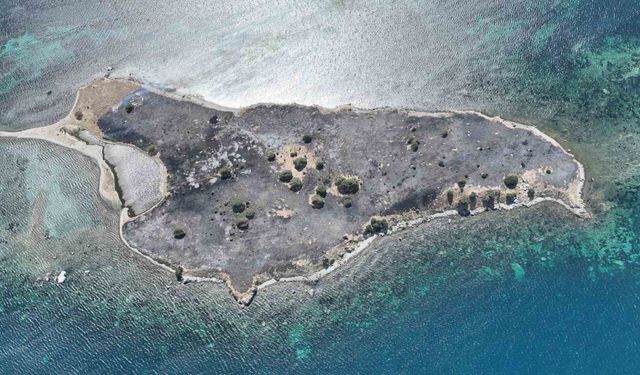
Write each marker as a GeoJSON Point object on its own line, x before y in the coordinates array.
{"type": "Point", "coordinates": [232, 213]}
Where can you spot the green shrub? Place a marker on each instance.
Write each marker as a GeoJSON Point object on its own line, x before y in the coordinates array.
{"type": "Point", "coordinates": [511, 198]}
{"type": "Point", "coordinates": [321, 191]}
{"type": "Point", "coordinates": [484, 175]}
{"type": "Point", "coordinates": [449, 196]}
{"type": "Point", "coordinates": [511, 181]}
{"type": "Point", "coordinates": [320, 165]}
{"type": "Point", "coordinates": [242, 223]}
{"type": "Point", "coordinates": [473, 200]}
{"type": "Point", "coordinates": [285, 176]}
{"type": "Point", "coordinates": [250, 214]}
{"type": "Point", "coordinates": [225, 173]}
{"type": "Point", "coordinates": [376, 226]}
{"type": "Point", "coordinates": [548, 171]}
{"type": "Point", "coordinates": [300, 163]}
{"type": "Point", "coordinates": [441, 163]}
{"type": "Point", "coordinates": [463, 207]}
{"type": "Point", "coordinates": [490, 199]}
{"type": "Point", "coordinates": [293, 154]}
{"type": "Point", "coordinates": [237, 205]}
{"type": "Point", "coordinates": [461, 184]}
{"type": "Point", "coordinates": [295, 184]}
{"type": "Point", "coordinates": [347, 185]}
{"type": "Point", "coordinates": [317, 201]}
{"type": "Point", "coordinates": [79, 115]}
{"type": "Point", "coordinates": [178, 234]}
{"type": "Point", "coordinates": [129, 107]}
{"type": "Point", "coordinates": [271, 156]}
{"type": "Point", "coordinates": [347, 202]}
{"type": "Point", "coordinates": [179, 271]}
{"type": "Point", "coordinates": [307, 138]}
{"type": "Point", "coordinates": [152, 150]}
{"type": "Point", "coordinates": [413, 144]}
{"type": "Point", "coordinates": [531, 194]}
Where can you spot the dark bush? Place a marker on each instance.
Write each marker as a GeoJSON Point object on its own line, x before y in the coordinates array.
{"type": "Point", "coordinates": [320, 165]}
{"type": "Point", "coordinates": [490, 199]}
{"type": "Point", "coordinates": [376, 226]}
{"type": "Point", "coordinates": [347, 202]}
{"type": "Point", "coordinates": [307, 138]}
{"type": "Point", "coordinates": [484, 175]}
{"type": "Point", "coordinates": [179, 271]}
{"type": "Point", "coordinates": [473, 200]}
{"type": "Point", "coordinates": [300, 163]}
{"type": "Point", "coordinates": [152, 150]}
{"type": "Point", "coordinates": [445, 134]}
{"type": "Point", "coordinates": [463, 207]}
{"type": "Point", "coordinates": [295, 184]}
{"type": "Point", "coordinates": [548, 171]}
{"type": "Point", "coordinates": [449, 196]}
{"type": "Point", "coordinates": [225, 173]}
{"type": "Point", "coordinates": [271, 156]}
{"type": "Point", "coordinates": [250, 214]}
{"type": "Point", "coordinates": [511, 181]}
{"type": "Point", "coordinates": [531, 194]}
{"type": "Point", "coordinates": [213, 120]}
{"type": "Point", "coordinates": [242, 223]}
{"type": "Point", "coordinates": [347, 185]}
{"type": "Point", "coordinates": [178, 234]}
{"type": "Point", "coordinates": [441, 163]}
{"type": "Point", "coordinates": [511, 198]}
{"type": "Point", "coordinates": [321, 191]}
{"type": "Point", "coordinates": [461, 184]}
{"type": "Point", "coordinates": [129, 107]}
{"type": "Point", "coordinates": [238, 205]}
{"type": "Point", "coordinates": [79, 115]}
{"type": "Point", "coordinates": [413, 144]}
{"type": "Point", "coordinates": [293, 154]}
{"type": "Point", "coordinates": [317, 201]}
{"type": "Point", "coordinates": [285, 176]}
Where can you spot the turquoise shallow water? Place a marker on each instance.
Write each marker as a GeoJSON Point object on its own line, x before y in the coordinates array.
{"type": "Point", "coordinates": [533, 291]}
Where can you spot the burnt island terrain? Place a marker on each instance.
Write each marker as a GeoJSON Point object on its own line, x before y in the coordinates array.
{"type": "Point", "coordinates": [278, 191]}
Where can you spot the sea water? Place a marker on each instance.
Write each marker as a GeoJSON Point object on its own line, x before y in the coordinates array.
{"type": "Point", "coordinates": [532, 291]}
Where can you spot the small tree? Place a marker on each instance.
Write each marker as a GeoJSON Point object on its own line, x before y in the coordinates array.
{"type": "Point", "coordinates": [179, 233]}
{"type": "Point", "coordinates": [285, 176]}
{"type": "Point", "coordinates": [179, 272]}
{"type": "Point", "coordinates": [321, 191]}
{"type": "Point", "coordinates": [511, 198]}
{"type": "Point", "coordinates": [128, 107]}
{"type": "Point", "coordinates": [242, 223]}
{"type": "Point", "coordinates": [152, 150]}
{"type": "Point", "coordinates": [295, 184]}
{"type": "Point", "coordinates": [450, 196]}
{"type": "Point", "coordinates": [271, 156]}
{"type": "Point", "coordinates": [320, 165]}
{"type": "Point", "coordinates": [300, 163]}
{"type": "Point", "coordinates": [225, 173]}
{"type": "Point", "coordinates": [531, 193]}
{"type": "Point", "coordinates": [376, 226]}
{"type": "Point", "coordinates": [347, 185]}
{"type": "Point", "coordinates": [238, 205]}
{"type": "Point", "coordinates": [307, 138]}
{"type": "Point", "coordinates": [511, 181]}
{"type": "Point", "coordinates": [317, 201]}
{"type": "Point", "coordinates": [461, 184]}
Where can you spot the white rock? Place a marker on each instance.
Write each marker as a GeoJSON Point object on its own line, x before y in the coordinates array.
{"type": "Point", "coordinates": [61, 277]}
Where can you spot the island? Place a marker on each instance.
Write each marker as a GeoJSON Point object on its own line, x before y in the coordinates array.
{"type": "Point", "coordinates": [271, 193]}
